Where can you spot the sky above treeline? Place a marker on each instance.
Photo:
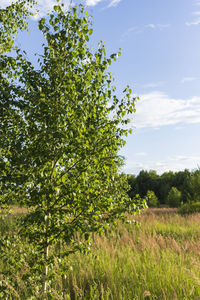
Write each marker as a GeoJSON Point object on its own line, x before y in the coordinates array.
{"type": "Point", "coordinates": [160, 60]}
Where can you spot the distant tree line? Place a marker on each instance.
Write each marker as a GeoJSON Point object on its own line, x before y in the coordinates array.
{"type": "Point", "coordinates": [170, 188]}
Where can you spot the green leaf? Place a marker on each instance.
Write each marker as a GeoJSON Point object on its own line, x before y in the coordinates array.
{"type": "Point", "coordinates": [64, 128]}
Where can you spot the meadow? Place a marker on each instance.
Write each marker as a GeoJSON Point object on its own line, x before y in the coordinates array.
{"type": "Point", "coordinates": [159, 259]}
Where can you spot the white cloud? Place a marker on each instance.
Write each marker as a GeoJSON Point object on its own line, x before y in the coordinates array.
{"type": "Point", "coordinates": [134, 29]}
{"type": "Point", "coordinates": [141, 29]}
{"type": "Point", "coordinates": [157, 26]}
{"type": "Point", "coordinates": [189, 79]}
{"type": "Point", "coordinates": [131, 29]}
{"type": "Point", "coordinates": [175, 164]}
{"type": "Point", "coordinates": [159, 166]}
{"type": "Point", "coordinates": [92, 2]}
{"type": "Point", "coordinates": [157, 109]}
{"type": "Point", "coordinates": [150, 85]}
{"type": "Point", "coordinates": [163, 26]}
{"type": "Point", "coordinates": [186, 158]}
{"type": "Point", "coordinates": [95, 2]}
{"type": "Point", "coordinates": [196, 21]}
{"type": "Point", "coordinates": [153, 26]}
{"type": "Point", "coordinates": [113, 3]}
{"type": "Point", "coordinates": [141, 154]}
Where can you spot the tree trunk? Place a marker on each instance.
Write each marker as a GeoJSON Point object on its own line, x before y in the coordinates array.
{"type": "Point", "coordinates": [45, 274]}
{"type": "Point", "coordinates": [46, 256]}
{"type": "Point", "coordinates": [46, 246]}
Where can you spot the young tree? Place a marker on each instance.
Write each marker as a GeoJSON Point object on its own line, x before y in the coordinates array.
{"type": "Point", "coordinates": [174, 197]}
{"type": "Point", "coordinates": [70, 131]}
{"type": "Point", "coordinates": [152, 200]}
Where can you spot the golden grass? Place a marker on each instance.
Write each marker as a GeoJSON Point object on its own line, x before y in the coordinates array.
{"type": "Point", "coordinates": [160, 259]}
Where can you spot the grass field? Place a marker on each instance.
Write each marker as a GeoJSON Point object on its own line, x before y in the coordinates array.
{"type": "Point", "coordinates": [160, 259]}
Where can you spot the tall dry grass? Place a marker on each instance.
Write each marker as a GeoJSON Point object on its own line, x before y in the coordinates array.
{"type": "Point", "coordinates": [160, 259]}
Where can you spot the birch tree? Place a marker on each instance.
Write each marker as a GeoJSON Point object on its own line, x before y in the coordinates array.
{"type": "Point", "coordinates": [65, 157]}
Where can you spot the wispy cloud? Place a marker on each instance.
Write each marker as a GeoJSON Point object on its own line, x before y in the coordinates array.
{"type": "Point", "coordinates": [143, 28]}
{"type": "Point", "coordinates": [175, 164]}
{"type": "Point", "coordinates": [157, 109]}
{"type": "Point", "coordinates": [113, 3]}
{"type": "Point", "coordinates": [150, 85]}
{"type": "Point", "coordinates": [195, 21]}
{"type": "Point", "coordinates": [141, 154]}
{"type": "Point", "coordinates": [135, 29]}
{"type": "Point", "coordinates": [186, 158]}
{"type": "Point", "coordinates": [133, 167]}
{"type": "Point", "coordinates": [152, 26]}
{"type": "Point", "coordinates": [189, 79]}
{"type": "Point", "coordinates": [157, 26]}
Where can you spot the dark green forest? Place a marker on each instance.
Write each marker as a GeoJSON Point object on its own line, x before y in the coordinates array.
{"type": "Point", "coordinates": [171, 188]}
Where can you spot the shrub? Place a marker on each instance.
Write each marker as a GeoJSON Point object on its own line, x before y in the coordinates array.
{"type": "Point", "coordinates": [174, 197]}
{"type": "Point", "coordinates": [190, 208]}
{"type": "Point", "coordinates": [152, 200]}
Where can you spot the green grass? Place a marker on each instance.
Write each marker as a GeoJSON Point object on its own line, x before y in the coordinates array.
{"type": "Point", "coordinates": [158, 260]}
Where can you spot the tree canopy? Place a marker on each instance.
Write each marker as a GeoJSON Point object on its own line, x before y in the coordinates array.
{"type": "Point", "coordinates": [63, 128]}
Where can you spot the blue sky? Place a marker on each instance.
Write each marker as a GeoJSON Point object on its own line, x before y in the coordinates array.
{"type": "Point", "coordinates": [160, 60]}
